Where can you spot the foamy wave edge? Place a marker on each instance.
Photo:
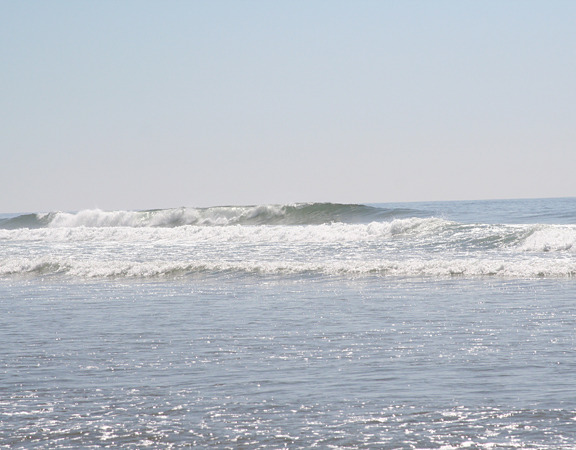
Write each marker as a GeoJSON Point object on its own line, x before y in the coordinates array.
{"type": "Point", "coordinates": [461, 267]}
{"type": "Point", "coordinates": [193, 233]}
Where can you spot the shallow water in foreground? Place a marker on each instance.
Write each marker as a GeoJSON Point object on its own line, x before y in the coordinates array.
{"type": "Point", "coordinates": [425, 325]}
{"type": "Point", "coordinates": [240, 360]}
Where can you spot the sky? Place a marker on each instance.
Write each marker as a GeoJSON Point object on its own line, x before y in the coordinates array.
{"type": "Point", "coordinates": [138, 104]}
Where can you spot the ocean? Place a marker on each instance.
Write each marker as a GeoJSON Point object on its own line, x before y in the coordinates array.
{"type": "Point", "coordinates": [432, 325]}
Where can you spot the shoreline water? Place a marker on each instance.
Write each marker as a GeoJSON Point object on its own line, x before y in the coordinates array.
{"type": "Point", "coordinates": [226, 361]}
{"type": "Point", "coordinates": [281, 333]}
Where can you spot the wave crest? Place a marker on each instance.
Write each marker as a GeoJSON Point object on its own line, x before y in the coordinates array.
{"type": "Point", "coordinates": [293, 214]}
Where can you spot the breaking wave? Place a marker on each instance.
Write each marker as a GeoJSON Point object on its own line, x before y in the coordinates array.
{"type": "Point", "coordinates": [299, 239]}
{"type": "Point", "coordinates": [294, 214]}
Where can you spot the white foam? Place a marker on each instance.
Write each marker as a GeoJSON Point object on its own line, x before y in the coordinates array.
{"type": "Point", "coordinates": [411, 267]}
{"type": "Point", "coordinates": [401, 247]}
{"type": "Point", "coordinates": [216, 216]}
{"type": "Point", "coordinates": [551, 238]}
{"type": "Point", "coordinates": [336, 232]}
{"type": "Point", "coordinates": [98, 218]}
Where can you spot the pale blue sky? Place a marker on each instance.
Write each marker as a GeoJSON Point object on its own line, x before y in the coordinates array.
{"type": "Point", "coordinates": [155, 104]}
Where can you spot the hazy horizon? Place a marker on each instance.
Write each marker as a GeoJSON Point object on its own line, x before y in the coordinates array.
{"type": "Point", "coordinates": [144, 105]}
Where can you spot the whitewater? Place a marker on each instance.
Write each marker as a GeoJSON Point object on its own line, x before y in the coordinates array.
{"type": "Point", "coordinates": [429, 325]}
{"type": "Point", "coordinates": [327, 239]}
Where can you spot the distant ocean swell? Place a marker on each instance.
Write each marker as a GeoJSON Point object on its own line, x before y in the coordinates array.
{"type": "Point", "coordinates": [303, 239]}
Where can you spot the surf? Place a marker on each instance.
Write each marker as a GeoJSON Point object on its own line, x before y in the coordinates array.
{"type": "Point", "coordinates": [289, 214]}
{"type": "Point", "coordinates": [303, 239]}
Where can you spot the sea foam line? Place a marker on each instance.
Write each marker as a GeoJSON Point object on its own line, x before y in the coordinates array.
{"type": "Point", "coordinates": [430, 233]}
{"type": "Point", "coordinates": [410, 267]}
{"type": "Point", "coordinates": [257, 233]}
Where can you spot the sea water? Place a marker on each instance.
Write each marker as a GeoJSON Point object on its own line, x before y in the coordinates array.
{"type": "Point", "coordinates": [422, 325]}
